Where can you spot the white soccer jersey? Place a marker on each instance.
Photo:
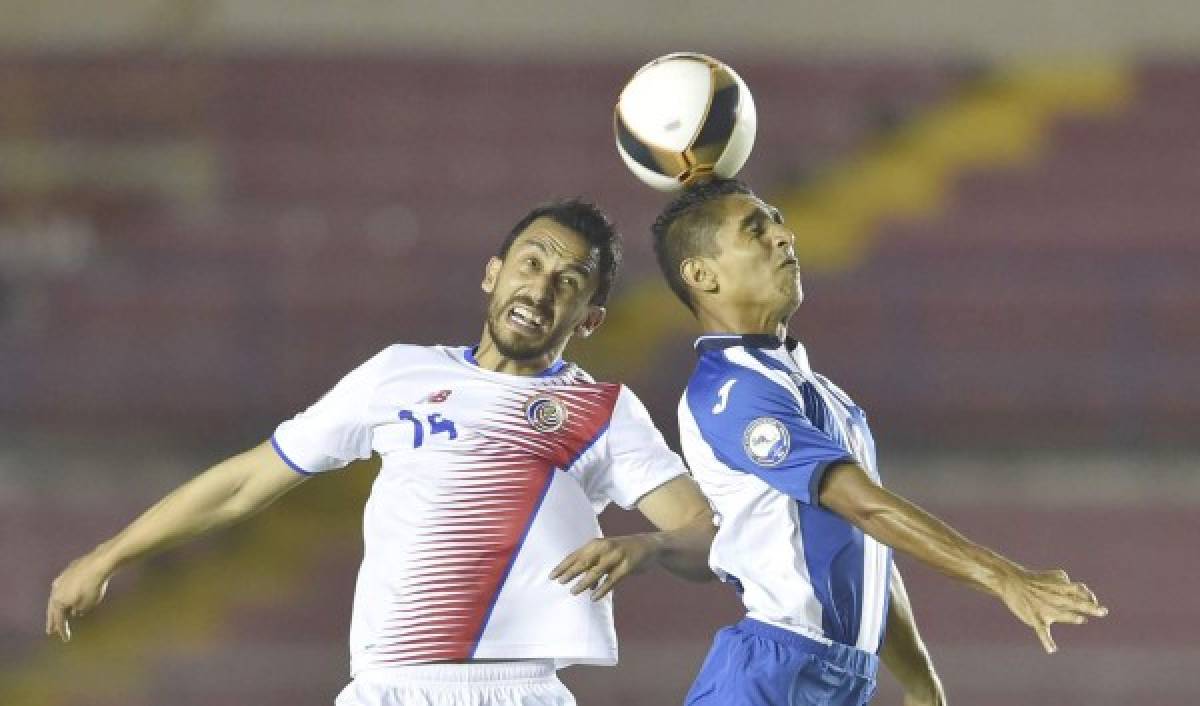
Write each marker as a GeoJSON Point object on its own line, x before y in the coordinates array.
{"type": "Point", "coordinates": [759, 429]}
{"type": "Point", "coordinates": [488, 481]}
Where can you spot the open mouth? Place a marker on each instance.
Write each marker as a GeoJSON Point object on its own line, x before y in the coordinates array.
{"type": "Point", "coordinates": [527, 318]}
{"type": "Point", "coordinates": [790, 262]}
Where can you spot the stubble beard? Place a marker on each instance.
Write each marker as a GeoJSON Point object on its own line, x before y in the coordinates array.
{"type": "Point", "coordinates": [794, 297]}
{"type": "Point", "coordinates": [518, 350]}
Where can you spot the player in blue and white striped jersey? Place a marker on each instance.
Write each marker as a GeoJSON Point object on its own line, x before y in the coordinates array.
{"type": "Point", "coordinates": [760, 429]}
{"type": "Point", "coordinates": [788, 461]}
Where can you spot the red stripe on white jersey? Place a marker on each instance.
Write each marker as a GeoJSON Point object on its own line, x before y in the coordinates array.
{"type": "Point", "coordinates": [492, 491]}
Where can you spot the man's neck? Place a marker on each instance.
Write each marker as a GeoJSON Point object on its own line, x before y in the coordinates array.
{"type": "Point", "coordinates": [488, 357]}
{"type": "Point", "coordinates": [742, 323]}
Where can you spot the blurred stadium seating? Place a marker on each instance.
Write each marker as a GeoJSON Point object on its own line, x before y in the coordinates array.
{"type": "Point", "coordinates": [193, 246]}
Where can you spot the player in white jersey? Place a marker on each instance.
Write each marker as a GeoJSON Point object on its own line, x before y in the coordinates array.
{"type": "Point", "coordinates": [788, 461]}
{"type": "Point", "coordinates": [495, 460]}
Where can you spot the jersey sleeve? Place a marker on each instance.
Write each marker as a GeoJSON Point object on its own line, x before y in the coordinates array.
{"type": "Point", "coordinates": [754, 425]}
{"type": "Point", "coordinates": [637, 459]}
{"type": "Point", "coordinates": [334, 431]}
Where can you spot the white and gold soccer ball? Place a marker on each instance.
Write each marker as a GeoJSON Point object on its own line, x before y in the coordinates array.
{"type": "Point", "coordinates": [682, 118]}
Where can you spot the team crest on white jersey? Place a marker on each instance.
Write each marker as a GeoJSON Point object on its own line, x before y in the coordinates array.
{"type": "Point", "coordinates": [767, 441]}
{"type": "Point", "coordinates": [545, 413]}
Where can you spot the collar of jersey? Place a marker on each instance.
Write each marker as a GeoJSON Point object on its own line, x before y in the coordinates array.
{"type": "Point", "coordinates": [721, 341]}
{"type": "Point", "coordinates": [555, 368]}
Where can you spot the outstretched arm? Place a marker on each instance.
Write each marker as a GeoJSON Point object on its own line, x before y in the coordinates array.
{"type": "Point", "coordinates": [904, 653]}
{"type": "Point", "coordinates": [1038, 598]}
{"type": "Point", "coordinates": [685, 522]}
{"type": "Point", "coordinates": [229, 491]}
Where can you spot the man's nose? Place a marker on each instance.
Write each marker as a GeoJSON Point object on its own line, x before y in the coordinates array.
{"type": "Point", "coordinates": [541, 288]}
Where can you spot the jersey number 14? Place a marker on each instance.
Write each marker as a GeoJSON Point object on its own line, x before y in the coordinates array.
{"type": "Point", "coordinates": [437, 425]}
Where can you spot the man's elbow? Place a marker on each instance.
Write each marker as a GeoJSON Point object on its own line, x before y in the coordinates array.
{"type": "Point", "coordinates": [696, 536]}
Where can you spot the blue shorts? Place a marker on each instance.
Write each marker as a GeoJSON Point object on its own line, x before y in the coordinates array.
{"type": "Point", "coordinates": [756, 664]}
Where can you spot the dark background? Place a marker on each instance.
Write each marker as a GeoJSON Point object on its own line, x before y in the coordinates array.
{"type": "Point", "coordinates": [209, 213]}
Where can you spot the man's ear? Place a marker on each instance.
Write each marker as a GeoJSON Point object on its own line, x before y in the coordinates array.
{"type": "Point", "coordinates": [698, 274]}
{"type": "Point", "coordinates": [490, 272]}
{"type": "Point", "coordinates": [595, 317]}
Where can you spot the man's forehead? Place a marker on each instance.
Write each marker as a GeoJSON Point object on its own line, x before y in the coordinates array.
{"type": "Point", "coordinates": [731, 213]}
{"type": "Point", "coordinates": [737, 206]}
{"type": "Point", "coordinates": [553, 237]}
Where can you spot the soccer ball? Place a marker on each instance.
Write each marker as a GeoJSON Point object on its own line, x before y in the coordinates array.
{"type": "Point", "coordinates": [682, 118]}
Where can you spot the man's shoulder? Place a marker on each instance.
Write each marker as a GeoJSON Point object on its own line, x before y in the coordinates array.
{"type": "Point", "coordinates": [572, 375]}
{"type": "Point", "coordinates": [721, 389]}
{"type": "Point", "coordinates": [407, 353]}
{"type": "Point", "coordinates": [833, 388]}
{"type": "Point", "coordinates": [714, 371]}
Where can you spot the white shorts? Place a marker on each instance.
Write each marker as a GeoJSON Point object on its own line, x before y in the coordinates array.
{"type": "Point", "coordinates": [530, 683]}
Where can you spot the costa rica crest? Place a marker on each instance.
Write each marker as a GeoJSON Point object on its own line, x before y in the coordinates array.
{"type": "Point", "coordinates": [545, 413]}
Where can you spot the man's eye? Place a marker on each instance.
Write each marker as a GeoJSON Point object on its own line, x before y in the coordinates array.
{"type": "Point", "coordinates": [531, 263]}
{"type": "Point", "coordinates": [571, 282]}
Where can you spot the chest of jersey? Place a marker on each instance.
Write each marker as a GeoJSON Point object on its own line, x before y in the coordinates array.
{"type": "Point", "coordinates": [421, 414]}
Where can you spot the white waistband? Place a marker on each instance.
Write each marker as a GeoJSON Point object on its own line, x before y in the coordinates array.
{"type": "Point", "coordinates": [805, 630]}
{"type": "Point", "coordinates": [533, 670]}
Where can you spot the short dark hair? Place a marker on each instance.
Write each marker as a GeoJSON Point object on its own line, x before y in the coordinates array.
{"type": "Point", "coordinates": [586, 219]}
{"type": "Point", "coordinates": [685, 228]}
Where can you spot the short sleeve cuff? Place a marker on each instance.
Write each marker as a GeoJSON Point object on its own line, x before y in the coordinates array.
{"type": "Point", "coordinates": [629, 497]}
{"type": "Point", "coordinates": [818, 475]}
{"type": "Point", "coordinates": [286, 459]}
{"type": "Point", "coordinates": [289, 441]}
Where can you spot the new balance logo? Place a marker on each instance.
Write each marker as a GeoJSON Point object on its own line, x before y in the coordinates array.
{"type": "Point", "coordinates": [436, 397]}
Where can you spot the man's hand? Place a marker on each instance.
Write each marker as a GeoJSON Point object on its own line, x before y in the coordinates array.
{"type": "Point", "coordinates": [603, 563]}
{"type": "Point", "coordinates": [1038, 598]}
{"type": "Point", "coordinates": [75, 592]}
{"type": "Point", "coordinates": [229, 491]}
{"type": "Point", "coordinates": [1042, 598]}
{"type": "Point", "coordinates": [684, 519]}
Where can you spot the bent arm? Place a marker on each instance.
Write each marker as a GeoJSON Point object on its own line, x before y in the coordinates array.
{"type": "Point", "coordinates": [229, 491]}
{"type": "Point", "coordinates": [686, 530]}
{"type": "Point", "coordinates": [685, 533]}
{"type": "Point", "coordinates": [1037, 598]}
{"type": "Point", "coordinates": [904, 654]}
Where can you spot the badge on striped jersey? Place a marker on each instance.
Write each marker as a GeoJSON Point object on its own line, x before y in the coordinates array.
{"type": "Point", "coordinates": [767, 441]}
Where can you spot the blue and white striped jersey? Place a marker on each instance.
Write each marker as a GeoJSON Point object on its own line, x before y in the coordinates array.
{"type": "Point", "coordinates": [759, 429]}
